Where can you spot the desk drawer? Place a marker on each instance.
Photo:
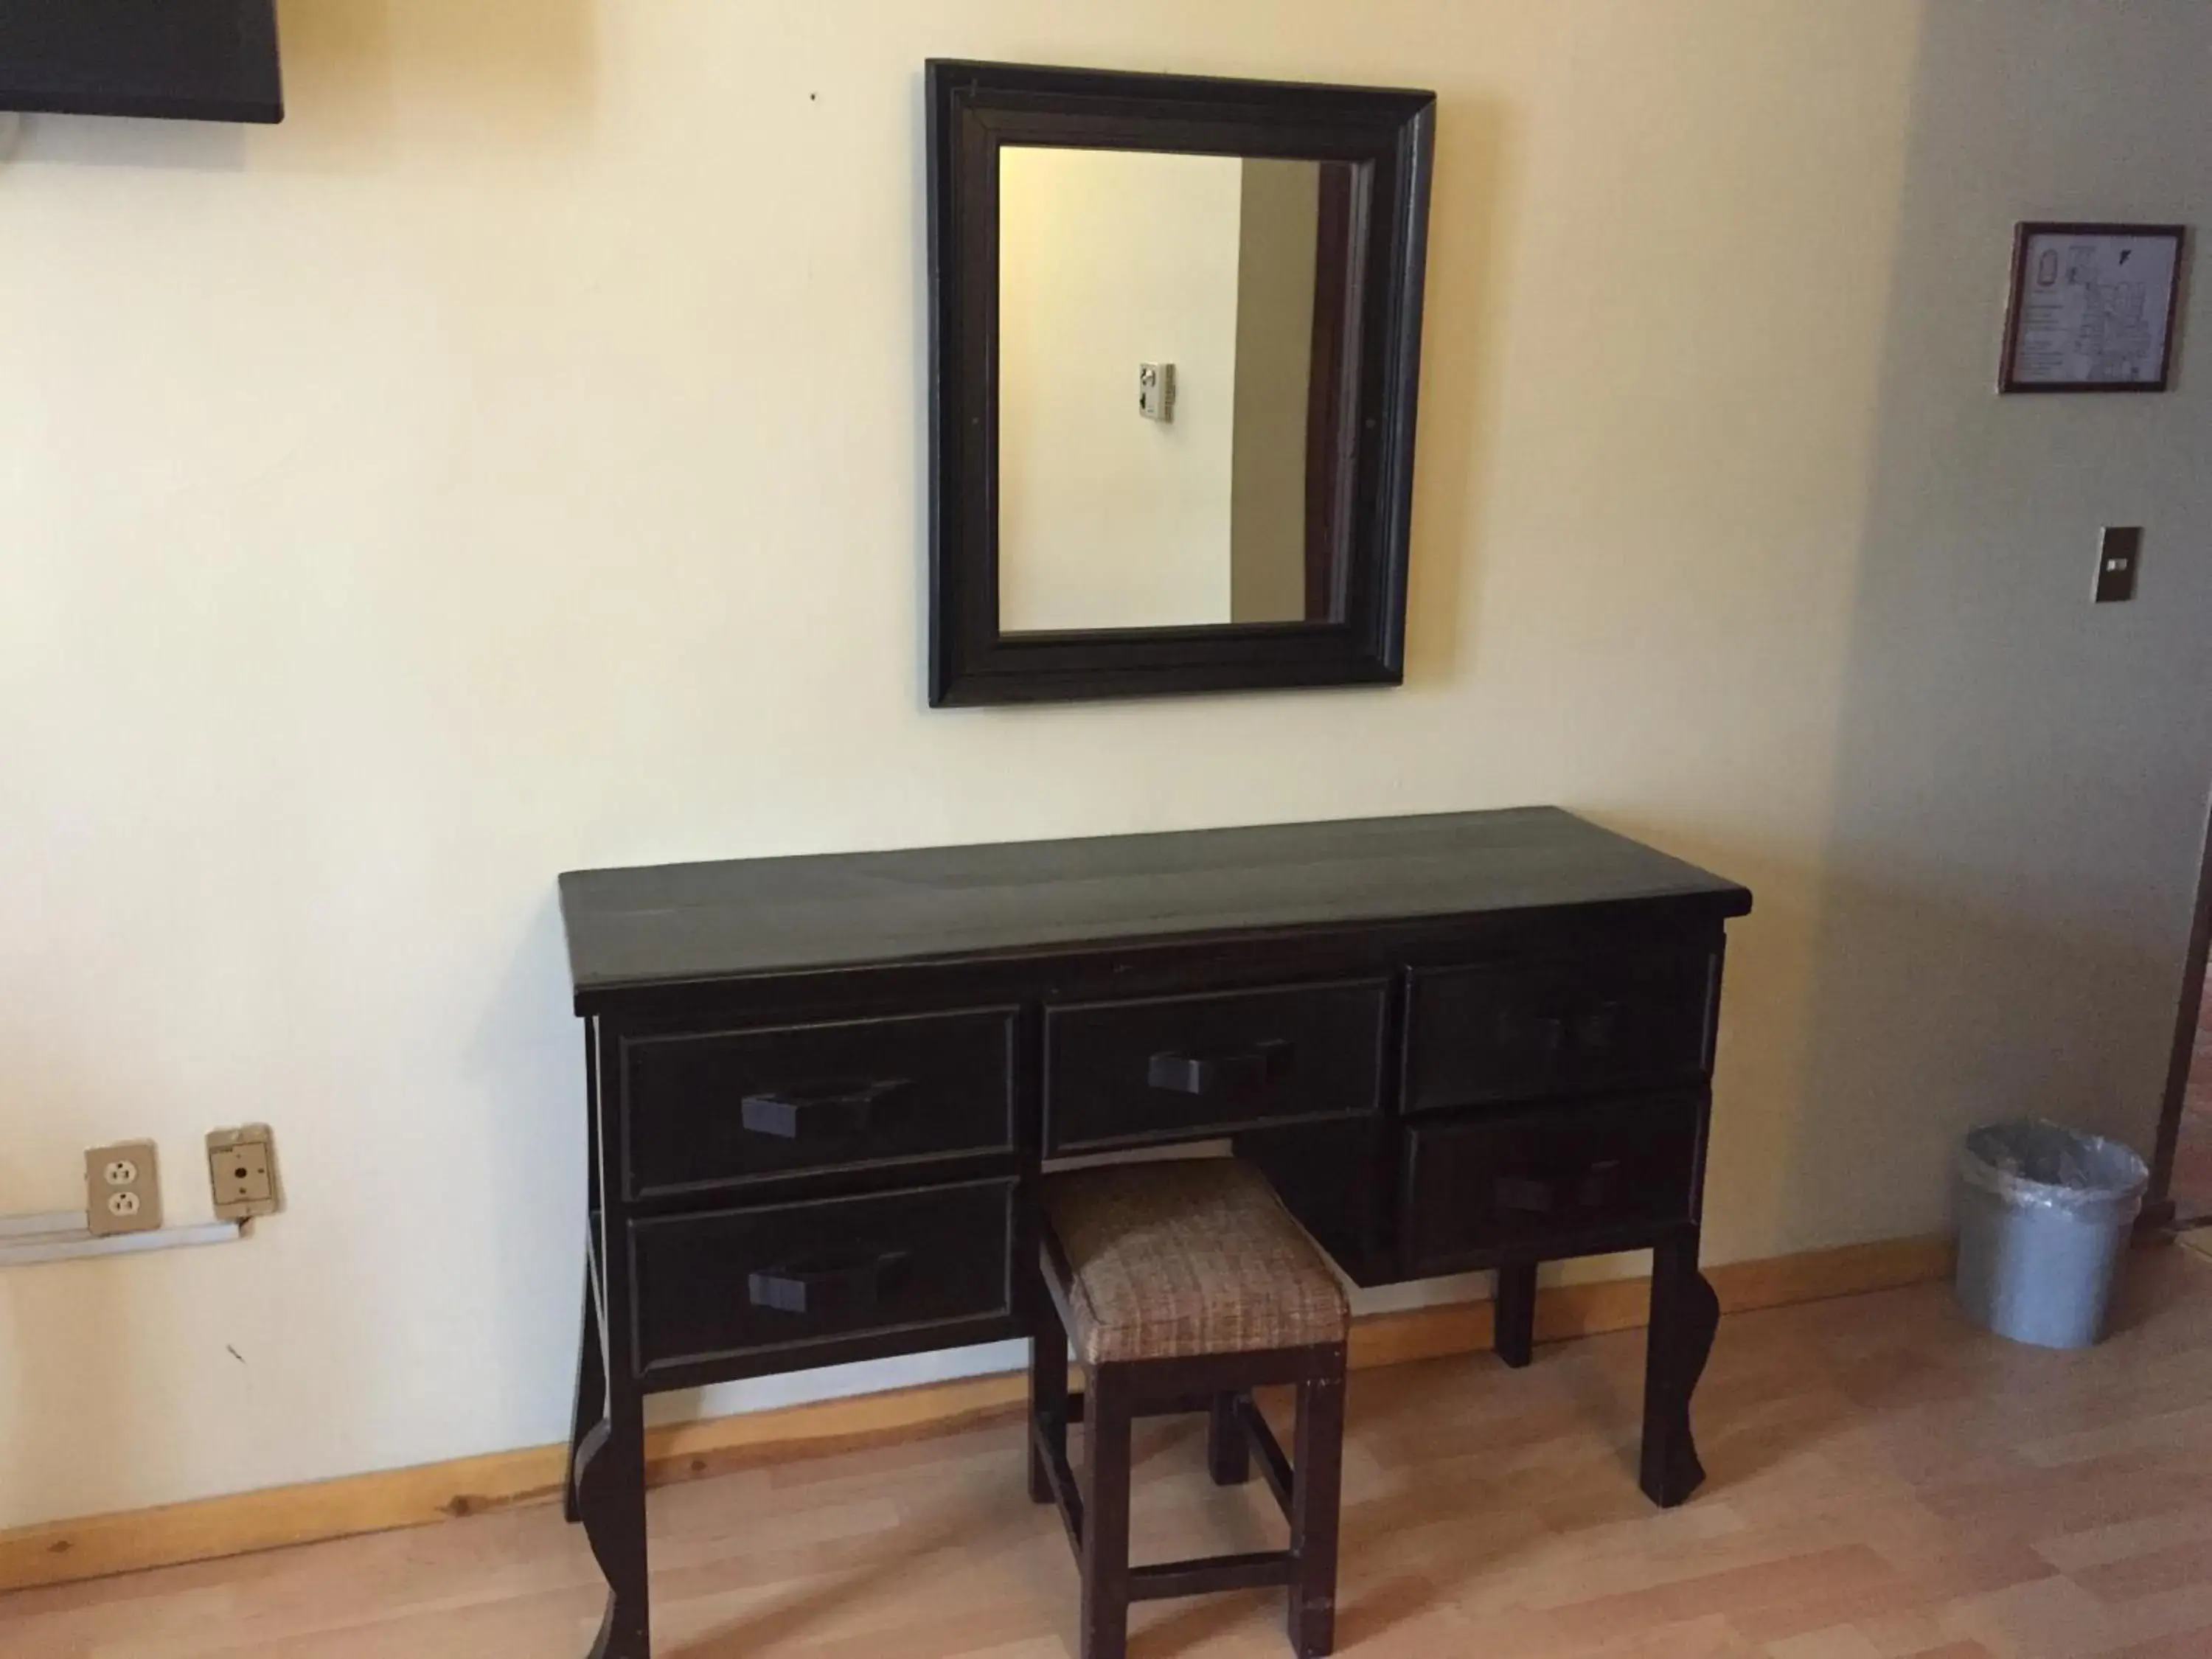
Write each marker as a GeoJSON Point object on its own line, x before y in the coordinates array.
{"type": "Point", "coordinates": [712, 1287]}
{"type": "Point", "coordinates": [1559, 1176]}
{"type": "Point", "coordinates": [721, 1108]}
{"type": "Point", "coordinates": [1121, 1072]}
{"type": "Point", "coordinates": [1526, 1031]}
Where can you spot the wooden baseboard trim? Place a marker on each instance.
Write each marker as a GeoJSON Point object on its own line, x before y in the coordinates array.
{"type": "Point", "coordinates": [99, 1545]}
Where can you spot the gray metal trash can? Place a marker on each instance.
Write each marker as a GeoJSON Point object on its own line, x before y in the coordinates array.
{"type": "Point", "coordinates": [2043, 1214]}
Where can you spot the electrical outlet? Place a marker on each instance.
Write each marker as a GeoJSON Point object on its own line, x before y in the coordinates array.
{"type": "Point", "coordinates": [122, 1188]}
{"type": "Point", "coordinates": [242, 1165]}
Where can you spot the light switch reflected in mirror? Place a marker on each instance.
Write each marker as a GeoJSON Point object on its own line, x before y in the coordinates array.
{"type": "Point", "coordinates": [1173, 369]}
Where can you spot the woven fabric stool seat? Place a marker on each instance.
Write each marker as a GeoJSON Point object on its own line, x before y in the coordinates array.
{"type": "Point", "coordinates": [1182, 1287]}
{"type": "Point", "coordinates": [1166, 1261]}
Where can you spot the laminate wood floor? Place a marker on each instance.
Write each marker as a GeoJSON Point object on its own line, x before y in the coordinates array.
{"type": "Point", "coordinates": [1885, 1482]}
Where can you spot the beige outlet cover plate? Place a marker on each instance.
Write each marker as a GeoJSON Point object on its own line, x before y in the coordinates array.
{"type": "Point", "coordinates": [242, 1169]}
{"type": "Point", "coordinates": [122, 1188]}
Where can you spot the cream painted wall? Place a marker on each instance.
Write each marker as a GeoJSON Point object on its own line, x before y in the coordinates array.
{"type": "Point", "coordinates": [516, 463]}
{"type": "Point", "coordinates": [1108, 259]}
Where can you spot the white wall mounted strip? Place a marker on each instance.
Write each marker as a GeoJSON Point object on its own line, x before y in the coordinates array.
{"type": "Point", "coordinates": [21, 1249]}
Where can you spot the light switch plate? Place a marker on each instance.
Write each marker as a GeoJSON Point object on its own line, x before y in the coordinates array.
{"type": "Point", "coordinates": [1156, 392]}
{"type": "Point", "coordinates": [2120, 560]}
{"type": "Point", "coordinates": [122, 1188]}
{"type": "Point", "coordinates": [242, 1169]}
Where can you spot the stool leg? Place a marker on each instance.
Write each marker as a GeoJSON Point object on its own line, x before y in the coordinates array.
{"type": "Point", "coordinates": [1105, 1515]}
{"type": "Point", "coordinates": [1227, 1452]}
{"type": "Point", "coordinates": [1317, 1467]}
{"type": "Point", "coordinates": [1048, 1403]}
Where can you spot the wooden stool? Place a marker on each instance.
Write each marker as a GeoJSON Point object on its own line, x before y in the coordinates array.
{"type": "Point", "coordinates": [1183, 1287]}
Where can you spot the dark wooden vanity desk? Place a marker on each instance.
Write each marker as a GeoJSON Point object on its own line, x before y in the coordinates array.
{"type": "Point", "coordinates": [821, 1087]}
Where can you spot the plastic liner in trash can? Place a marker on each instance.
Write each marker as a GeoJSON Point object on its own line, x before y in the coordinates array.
{"type": "Point", "coordinates": [2043, 1214]}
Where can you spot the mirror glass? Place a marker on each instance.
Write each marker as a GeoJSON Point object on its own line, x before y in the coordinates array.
{"type": "Point", "coordinates": [1173, 370]}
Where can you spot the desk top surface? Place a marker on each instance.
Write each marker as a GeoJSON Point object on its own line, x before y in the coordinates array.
{"type": "Point", "coordinates": [684, 923]}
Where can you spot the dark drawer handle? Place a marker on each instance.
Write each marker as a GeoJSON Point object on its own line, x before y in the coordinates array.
{"type": "Point", "coordinates": [1528, 1195]}
{"type": "Point", "coordinates": [1184, 1072]}
{"type": "Point", "coordinates": [837, 1114]}
{"type": "Point", "coordinates": [1599, 1185]}
{"type": "Point", "coordinates": [825, 1286]}
{"type": "Point", "coordinates": [1597, 1027]}
{"type": "Point", "coordinates": [1587, 1029]}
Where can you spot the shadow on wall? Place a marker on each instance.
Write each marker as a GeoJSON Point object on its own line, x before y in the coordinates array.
{"type": "Point", "coordinates": [1470, 226]}
{"type": "Point", "coordinates": [2021, 776]}
{"type": "Point", "coordinates": [1988, 914]}
{"type": "Point", "coordinates": [489, 75]}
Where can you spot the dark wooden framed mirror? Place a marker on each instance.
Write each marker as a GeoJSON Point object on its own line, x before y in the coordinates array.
{"type": "Point", "coordinates": [1175, 354]}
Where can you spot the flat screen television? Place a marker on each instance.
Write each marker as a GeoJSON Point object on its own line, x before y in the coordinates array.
{"type": "Point", "coordinates": [193, 60]}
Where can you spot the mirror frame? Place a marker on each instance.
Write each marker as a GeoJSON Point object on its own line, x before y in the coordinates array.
{"type": "Point", "coordinates": [975, 109]}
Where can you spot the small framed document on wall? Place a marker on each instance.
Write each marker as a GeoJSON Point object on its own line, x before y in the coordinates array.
{"type": "Point", "coordinates": [2094, 308]}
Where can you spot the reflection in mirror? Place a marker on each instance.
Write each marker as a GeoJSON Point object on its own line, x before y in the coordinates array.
{"type": "Point", "coordinates": [1172, 367]}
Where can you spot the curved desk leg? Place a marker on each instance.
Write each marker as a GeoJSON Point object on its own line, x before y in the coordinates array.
{"type": "Point", "coordinates": [610, 1492]}
{"type": "Point", "coordinates": [1685, 1315]}
{"type": "Point", "coordinates": [591, 1395]}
